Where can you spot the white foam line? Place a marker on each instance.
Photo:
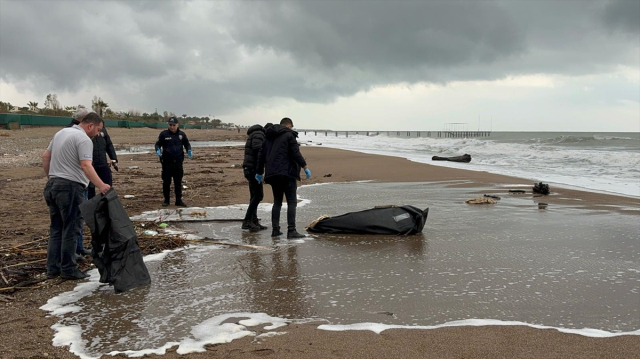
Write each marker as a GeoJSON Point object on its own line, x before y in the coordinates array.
{"type": "Point", "coordinates": [379, 328]}
{"type": "Point", "coordinates": [214, 331]}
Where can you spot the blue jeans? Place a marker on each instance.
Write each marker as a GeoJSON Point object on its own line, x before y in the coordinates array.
{"type": "Point", "coordinates": [80, 246]}
{"type": "Point", "coordinates": [283, 186]}
{"type": "Point", "coordinates": [63, 198]}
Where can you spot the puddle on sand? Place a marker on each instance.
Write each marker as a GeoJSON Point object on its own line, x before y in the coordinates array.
{"type": "Point", "coordinates": [510, 262]}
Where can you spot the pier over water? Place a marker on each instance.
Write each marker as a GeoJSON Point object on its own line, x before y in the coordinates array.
{"type": "Point", "coordinates": [451, 130]}
{"type": "Point", "coordinates": [403, 134]}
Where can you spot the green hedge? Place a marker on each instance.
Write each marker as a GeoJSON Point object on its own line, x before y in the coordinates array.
{"type": "Point", "coordinates": [37, 120]}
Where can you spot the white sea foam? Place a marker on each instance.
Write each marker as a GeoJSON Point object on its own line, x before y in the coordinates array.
{"type": "Point", "coordinates": [379, 328]}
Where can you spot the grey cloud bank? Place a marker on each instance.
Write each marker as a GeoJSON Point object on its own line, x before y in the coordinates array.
{"type": "Point", "coordinates": [234, 58]}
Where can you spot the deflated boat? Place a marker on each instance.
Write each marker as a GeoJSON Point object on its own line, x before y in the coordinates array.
{"type": "Point", "coordinates": [400, 220]}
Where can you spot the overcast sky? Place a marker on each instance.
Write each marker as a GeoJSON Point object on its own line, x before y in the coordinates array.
{"type": "Point", "coordinates": [356, 65]}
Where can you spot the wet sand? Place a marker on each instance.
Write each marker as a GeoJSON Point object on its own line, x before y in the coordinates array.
{"type": "Point", "coordinates": [32, 334]}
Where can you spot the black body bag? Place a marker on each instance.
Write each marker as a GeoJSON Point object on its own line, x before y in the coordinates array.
{"type": "Point", "coordinates": [399, 220]}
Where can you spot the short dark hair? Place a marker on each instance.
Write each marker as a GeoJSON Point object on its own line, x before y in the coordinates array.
{"type": "Point", "coordinates": [286, 121]}
{"type": "Point", "coordinates": [92, 117]}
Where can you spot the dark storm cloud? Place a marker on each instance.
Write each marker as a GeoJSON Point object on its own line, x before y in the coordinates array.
{"type": "Point", "coordinates": [191, 56]}
{"type": "Point", "coordinates": [623, 15]}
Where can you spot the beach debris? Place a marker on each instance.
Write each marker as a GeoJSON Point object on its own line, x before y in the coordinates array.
{"type": "Point", "coordinates": [327, 175]}
{"type": "Point", "coordinates": [150, 232]}
{"type": "Point", "coordinates": [541, 188]}
{"type": "Point", "coordinates": [466, 158]}
{"type": "Point", "coordinates": [162, 225]}
{"type": "Point", "coordinates": [481, 200]}
{"type": "Point", "coordinates": [517, 191]}
{"type": "Point", "coordinates": [196, 213]}
{"type": "Point", "coordinates": [542, 205]}
{"type": "Point", "coordinates": [134, 167]}
{"type": "Point", "coordinates": [129, 196]}
{"type": "Point", "coordinates": [492, 196]}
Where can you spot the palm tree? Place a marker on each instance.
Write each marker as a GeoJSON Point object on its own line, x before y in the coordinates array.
{"type": "Point", "coordinates": [33, 106]}
{"type": "Point", "coordinates": [98, 105]}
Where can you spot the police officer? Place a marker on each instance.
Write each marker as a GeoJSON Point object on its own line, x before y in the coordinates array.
{"type": "Point", "coordinates": [169, 149]}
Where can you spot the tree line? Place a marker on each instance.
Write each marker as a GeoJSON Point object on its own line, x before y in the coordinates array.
{"type": "Point", "coordinates": [52, 107]}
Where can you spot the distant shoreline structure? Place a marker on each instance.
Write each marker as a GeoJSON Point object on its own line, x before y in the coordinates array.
{"type": "Point", "coordinates": [404, 134]}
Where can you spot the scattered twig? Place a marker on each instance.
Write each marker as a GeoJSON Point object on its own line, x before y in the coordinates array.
{"type": "Point", "coordinates": [3, 278]}
{"type": "Point", "coordinates": [24, 244]}
{"type": "Point", "coordinates": [23, 263]}
{"type": "Point", "coordinates": [6, 298]}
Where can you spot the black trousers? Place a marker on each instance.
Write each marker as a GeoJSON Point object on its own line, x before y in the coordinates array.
{"type": "Point", "coordinates": [256, 193]}
{"type": "Point", "coordinates": [287, 187]}
{"type": "Point", "coordinates": [104, 172]}
{"type": "Point", "coordinates": [172, 169]}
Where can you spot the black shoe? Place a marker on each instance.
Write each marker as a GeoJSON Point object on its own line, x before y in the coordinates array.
{"type": "Point", "coordinates": [165, 203]}
{"type": "Point", "coordinates": [250, 226]}
{"type": "Point", "coordinates": [294, 234]}
{"type": "Point", "coordinates": [257, 223]}
{"type": "Point", "coordinates": [79, 258]}
{"type": "Point", "coordinates": [75, 275]}
{"type": "Point", "coordinates": [85, 252]}
{"type": "Point", "coordinates": [276, 232]}
{"type": "Point", "coordinates": [179, 203]}
{"type": "Point", "coordinates": [52, 275]}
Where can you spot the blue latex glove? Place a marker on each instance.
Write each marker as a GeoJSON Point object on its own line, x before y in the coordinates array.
{"type": "Point", "coordinates": [158, 152]}
{"type": "Point", "coordinates": [259, 178]}
{"type": "Point", "coordinates": [307, 172]}
{"type": "Point", "coordinates": [190, 154]}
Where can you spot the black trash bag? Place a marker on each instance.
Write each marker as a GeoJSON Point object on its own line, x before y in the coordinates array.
{"type": "Point", "coordinates": [395, 220]}
{"type": "Point", "coordinates": [541, 188]}
{"type": "Point", "coordinates": [115, 250]}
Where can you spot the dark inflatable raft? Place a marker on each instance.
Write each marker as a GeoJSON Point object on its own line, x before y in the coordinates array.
{"type": "Point", "coordinates": [464, 158]}
{"type": "Point", "coordinates": [400, 220]}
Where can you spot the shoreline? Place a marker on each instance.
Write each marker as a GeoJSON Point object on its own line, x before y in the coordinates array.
{"type": "Point", "coordinates": [26, 216]}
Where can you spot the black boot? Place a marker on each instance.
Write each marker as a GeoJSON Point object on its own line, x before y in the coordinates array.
{"type": "Point", "coordinates": [276, 232]}
{"type": "Point", "coordinates": [179, 203]}
{"type": "Point", "coordinates": [250, 226]}
{"type": "Point", "coordinates": [293, 234]}
{"type": "Point", "coordinates": [257, 223]}
{"type": "Point", "coordinates": [166, 202]}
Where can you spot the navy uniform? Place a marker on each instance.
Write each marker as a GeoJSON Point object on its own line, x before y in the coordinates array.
{"type": "Point", "coordinates": [102, 146]}
{"type": "Point", "coordinates": [169, 147]}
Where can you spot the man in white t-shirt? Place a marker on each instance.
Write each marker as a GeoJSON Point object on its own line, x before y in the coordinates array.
{"type": "Point", "coordinates": [67, 163]}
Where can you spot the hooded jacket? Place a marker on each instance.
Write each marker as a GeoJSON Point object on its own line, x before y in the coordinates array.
{"type": "Point", "coordinates": [252, 147]}
{"type": "Point", "coordinates": [280, 155]}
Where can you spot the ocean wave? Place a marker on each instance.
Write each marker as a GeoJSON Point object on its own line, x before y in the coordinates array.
{"type": "Point", "coordinates": [605, 167]}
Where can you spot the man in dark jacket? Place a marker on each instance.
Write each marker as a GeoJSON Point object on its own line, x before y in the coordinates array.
{"type": "Point", "coordinates": [169, 149]}
{"type": "Point", "coordinates": [281, 157]}
{"type": "Point", "coordinates": [252, 148]}
{"type": "Point", "coordinates": [102, 146]}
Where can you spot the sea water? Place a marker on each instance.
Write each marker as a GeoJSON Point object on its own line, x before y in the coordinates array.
{"type": "Point", "coordinates": [603, 162]}
{"type": "Point", "coordinates": [570, 269]}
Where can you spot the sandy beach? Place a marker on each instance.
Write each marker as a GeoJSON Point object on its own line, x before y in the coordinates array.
{"type": "Point", "coordinates": [214, 178]}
